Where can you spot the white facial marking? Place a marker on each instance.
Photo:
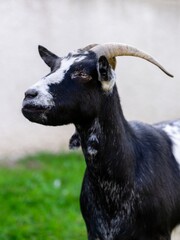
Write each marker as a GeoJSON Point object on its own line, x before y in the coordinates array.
{"type": "Point", "coordinates": [44, 97]}
{"type": "Point", "coordinates": [173, 132]}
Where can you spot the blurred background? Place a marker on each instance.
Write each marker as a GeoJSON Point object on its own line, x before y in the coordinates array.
{"type": "Point", "coordinates": [147, 94]}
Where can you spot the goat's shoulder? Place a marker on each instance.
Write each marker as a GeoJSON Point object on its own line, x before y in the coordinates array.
{"type": "Point", "coordinates": [156, 170]}
{"type": "Point", "coordinates": [172, 129]}
{"type": "Point", "coordinates": [153, 152]}
{"type": "Point", "coordinates": [148, 135]}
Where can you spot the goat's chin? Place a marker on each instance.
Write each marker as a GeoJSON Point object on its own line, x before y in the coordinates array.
{"type": "Point", "coordinates": [47, 117]}
{"type": "Point", "coordinates": [35, 116]}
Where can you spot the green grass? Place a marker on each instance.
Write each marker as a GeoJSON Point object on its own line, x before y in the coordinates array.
{"type": "Point", "coordinates": [39, 198]}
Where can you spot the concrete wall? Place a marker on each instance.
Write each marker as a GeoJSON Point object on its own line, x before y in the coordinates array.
{"type": "Point", "coordinates": [147, 94]}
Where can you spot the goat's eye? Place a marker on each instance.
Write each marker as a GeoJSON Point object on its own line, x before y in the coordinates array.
{"type": "Point", "coordinates": [82, 75]}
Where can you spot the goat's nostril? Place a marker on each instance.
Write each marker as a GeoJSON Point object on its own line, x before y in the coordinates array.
{"type": "Point", "coordinates": [31, 93]}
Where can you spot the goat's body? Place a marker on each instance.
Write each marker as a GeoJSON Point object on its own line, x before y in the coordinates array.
{"type": "Point", "coordinates": [148, 208]}
{"type": "Point", "coordinates": [131, 188]}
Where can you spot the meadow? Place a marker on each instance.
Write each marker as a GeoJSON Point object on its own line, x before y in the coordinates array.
{"type": "Point", "coordinates": [39, 198]}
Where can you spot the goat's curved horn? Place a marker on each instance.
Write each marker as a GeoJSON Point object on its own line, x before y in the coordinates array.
{"type": "Point", "coordinates": [112, 50]}
{"type": "Point", "coordinates": [112, 60]}
{"type": "Point", "coordinates": [88, 47]}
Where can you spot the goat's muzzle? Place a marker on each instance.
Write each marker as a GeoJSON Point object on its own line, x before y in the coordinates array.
{"type": "Point", "coordinates": [33, 111]}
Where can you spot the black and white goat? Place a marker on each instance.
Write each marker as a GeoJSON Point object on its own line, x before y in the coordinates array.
{"type": "Point", "coordinates": [131, 186]}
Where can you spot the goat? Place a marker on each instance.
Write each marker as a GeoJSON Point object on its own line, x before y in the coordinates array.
{"type": "Point", "coordinates": [131, 186]}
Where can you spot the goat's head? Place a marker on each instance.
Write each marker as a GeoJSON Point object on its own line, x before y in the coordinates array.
{"type": "Point", "coordinates": [72, 92]}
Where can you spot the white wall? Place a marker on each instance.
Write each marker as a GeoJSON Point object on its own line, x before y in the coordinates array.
{"type": "Point", "coordinates": [147, 94]}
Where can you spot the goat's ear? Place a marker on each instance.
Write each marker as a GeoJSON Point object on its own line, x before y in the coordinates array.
{"type": "Point", "coordinates": [48, 57]}
{"type": "Point", "coordinates": [103, 68]}
{"type": "Point", "coordinates": [106, 74]}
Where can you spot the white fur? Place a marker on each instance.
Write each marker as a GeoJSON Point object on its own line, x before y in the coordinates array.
{"type": "Point", "coordinates": [93, 137]}
{"type": "Point", "coordinates": [108, 85]}
{"type": "Point", "coordinates": [44, 97]}
{"type": "Point", "coordinates": [91, 151]}
{"type": "Point", "coordinates": [173, 132]}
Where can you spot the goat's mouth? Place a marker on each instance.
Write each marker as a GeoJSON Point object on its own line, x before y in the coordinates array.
{"type": "Point", "coordinates": [35, 113]}
{"type": "Point", "coordinates": [34, 108]}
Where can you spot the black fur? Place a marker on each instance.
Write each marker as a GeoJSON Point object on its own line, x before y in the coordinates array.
{"type": "Point", "coordinates": [75, 141]}
{"type": "Point", "coordinates": [131, 186]}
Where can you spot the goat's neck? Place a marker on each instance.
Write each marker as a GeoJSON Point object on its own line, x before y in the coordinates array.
{"type": "Point", "coordinates": [105, 141]}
